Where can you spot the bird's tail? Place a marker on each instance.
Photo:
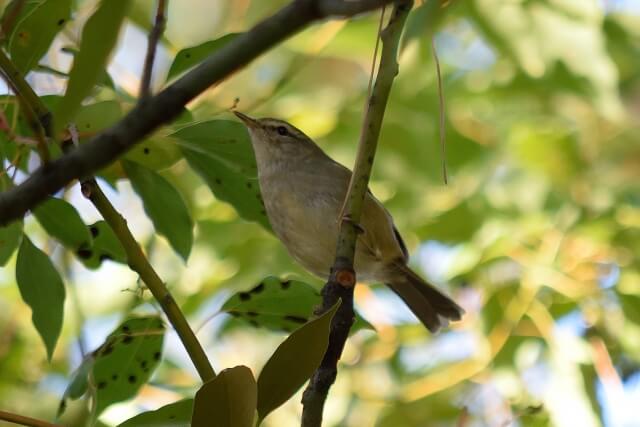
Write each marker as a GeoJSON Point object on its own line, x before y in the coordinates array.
{"type": "Point", "coordinates": [432, 307]}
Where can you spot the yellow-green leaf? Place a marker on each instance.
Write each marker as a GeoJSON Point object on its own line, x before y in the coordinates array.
{"type": "Point", "coordinates": [99, 37]}
{"type": "Point", "coordinates": [293, 362]}
{"type": "Point", "coordinates": [176, 414]}
{"type": "Point", "coordinates": [229, 399]}
{"type": "Point", "coordinates": [191, 56]}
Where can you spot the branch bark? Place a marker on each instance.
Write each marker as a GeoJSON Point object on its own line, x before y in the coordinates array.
{"type": "Point", "coordinates": [24, 421]}
{"type": "Point", "coordinates": [85, 160]}
{"type": "Point", "coordinates": [152, 44]}
{"type": "Point", "coordinates": [342, 280]}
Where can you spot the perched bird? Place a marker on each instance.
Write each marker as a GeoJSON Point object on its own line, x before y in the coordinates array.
{"type": "Point", "coordinates": [303, 191]}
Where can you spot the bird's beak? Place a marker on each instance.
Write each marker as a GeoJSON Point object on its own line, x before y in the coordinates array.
{"type": "Point", "coordinates": [250, 122]}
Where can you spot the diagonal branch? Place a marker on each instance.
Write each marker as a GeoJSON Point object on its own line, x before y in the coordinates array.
{"type": "Point", "coordinates": [342, 279]}
{"type": "Point", "coordinates": [162, 108]}
{"type": "Point", "coordinates": [152, 44]}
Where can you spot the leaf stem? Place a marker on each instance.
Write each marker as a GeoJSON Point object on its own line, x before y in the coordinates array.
{"type": "Point", "coordinates": [138, 262]}
{"type": "Point", "coordinates": [342, 279]}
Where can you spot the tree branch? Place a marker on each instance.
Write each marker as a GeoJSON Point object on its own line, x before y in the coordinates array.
{"type": "Point", "coordinates": [342, 279]}
{"type": "Point", "coordinates": [138, 262]}
{"type": "Point", "coordinates": [152, 44]}
{"type": "Point", "coordinates": [100, 151]}
{"type": "Point", "coordinates": [24, 421]}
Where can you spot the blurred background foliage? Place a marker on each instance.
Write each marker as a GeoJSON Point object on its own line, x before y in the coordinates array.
{"type": "Point", "coordinates": [536, 235]}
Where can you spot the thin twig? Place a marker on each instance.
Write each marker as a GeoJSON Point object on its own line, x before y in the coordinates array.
{"type": "Point", "coordinates": [25, 421]}
{"type": "Point", "coordinates": [342, 279]}
{"type": "Point", "coordinates": [9, 18]}
{"type": "Point", "coordinates": [374, 61]}
{"type": "Point", "coordinates": [443, 144]}
{"type": "Point", "coordinates": [139, 263]}
{"type": "Point", "coordinates": [152, 44]}
{"type": "Point", "coordinates": [165, 106]}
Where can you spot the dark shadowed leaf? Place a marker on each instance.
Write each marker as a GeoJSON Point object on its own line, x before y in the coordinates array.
{"type": "Point", "coordinates": [293, 363]}
{"type": "Point", "coordinates": [127, 359]}
{"type": "Point", "coordinates": [164, 205]}
{"type": "Point", "coordinates": [33, 34]}
{"type": "Point", "coordinates": [220, 152]}
{"type": "Point", "coordinates": [42, 289]}
{"type": "Point", "coordinates": [191, 56]}
{"type": "Point", "coordinates": [9, 240]}
{"type": "Point", "coordinates": [229, 399]}
{"type": "Point", "coordinates": [105, 246]}
{"type": "Point", "coordinates": [99, 37]}
{"type": "Point", "coordinates": [61, 220]}
{"type": "Point", "coordinates": [177, 414]}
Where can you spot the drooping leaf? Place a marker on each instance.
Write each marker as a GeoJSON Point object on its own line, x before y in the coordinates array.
{"type": "Point", "coordinates": [61, 220]}
{"type": "Point", "coordinates": [191, 56]}
{"type": "Point", "coordinates": [164, 205]}
{"type": "Point", "coordinates": [9, 240]}
{"type": "Point", "coordinates": [33, 34]}
{"type": "Point", "coordinates": [293, 362]}
{"type": "Point", "coordinates": [229, 399]}
{"type": "Point", "coordinates": [78, 384]}
{"type": "Point", "coordinates": [105, 246]}
{"type": "Point", "coordinates": [220, 152]}
{"type": "Point", "coordinates": [127, 359]}
{"type": "Point", "coordinates": [177, 414]}
{"type": "Point", "coordinates": [99, 37]}
{"type": "Point", "coordinates": [42, 289]}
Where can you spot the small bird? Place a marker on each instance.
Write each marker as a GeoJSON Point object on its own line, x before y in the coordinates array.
{"type": "Point", "coordinates": [303, 191]}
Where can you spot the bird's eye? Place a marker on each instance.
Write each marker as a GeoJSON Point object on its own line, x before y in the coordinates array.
{"type": "Point", "coordinates": [282, 130]}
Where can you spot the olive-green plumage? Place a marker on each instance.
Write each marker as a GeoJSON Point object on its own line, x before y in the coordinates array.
{"type": "Point", "coordinates": [303, 191]}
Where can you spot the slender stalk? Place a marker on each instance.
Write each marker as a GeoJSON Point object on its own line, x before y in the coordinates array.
{"type": "Point", "coordinates": [152, 44]}
{"type": "Point", "coordinates": [138, 262]}
{"type": "Point", "coordinates": [24, 421]}
{"type": "Point", "coordinates": [342, 279]}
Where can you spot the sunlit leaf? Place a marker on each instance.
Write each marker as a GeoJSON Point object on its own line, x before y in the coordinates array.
{"type": "Point", "coordinates": [99, 37]}
{"type": "Point", "coordinates": [93, 118]}
{"type": "Point", "coordinates": [220, 152]}
{"type": "Point", "coordinates": [230, 399]}
{"type": "Point", "coordinates": [61, 220]}
{"type": "Point", "coordinates": [177, 414]}
{"type": "Point", "coordinates": [33, 34]}
{"type": "Point", "coordinates": [127, 359]}
{"type": "Point", "coordinates": [42, 289]}
{"type": "Point", "coordinates": [293, 363]}
{"type": "Point", "coordinates": [191, 56]}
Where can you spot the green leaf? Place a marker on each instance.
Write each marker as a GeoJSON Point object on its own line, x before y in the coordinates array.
{"type": "Point", "coordinates": [61, 220]}
{"type": "Point", "coordinates": [164, 205]}
{"type": "Point", "coordinates": [176, 414]}
{"type": "Point", "coordinates": [187, 58]}
{"type": "Point", "coordinates": [275, 304]}
{"type": "Point", "coordinates": [630, 306]}
{"type": "Point", "coordinates": [78, 384]}
{"type": "Point", "coordinates": [230, 399]}
{"type": "Point", "coordinates": [42, 289]}
{"type": "Point", "coordinates": [95, 117]}
{"type": "Point", "coordinates": [106, 246]}
{"type": "Point", "coordinates": [34, 33]}
{"type": "Point", "coordinates": [99, 37]}
{"type": "Point", "coordinates": [127, 359]}
{"type": "Point", "coordinates": [156, 152]}
{"type": "Point", "coordinates": [423, 22]}
{"type": "Point", "coordinates": [220, 152]}
{"type": "Point", "coordinates": [293, 362]}
{"type": "Point", "coordinates": [9, 240]}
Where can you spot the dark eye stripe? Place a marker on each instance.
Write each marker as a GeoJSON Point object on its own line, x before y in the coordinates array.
{"type": "Point", "coordinates": [282, 130]}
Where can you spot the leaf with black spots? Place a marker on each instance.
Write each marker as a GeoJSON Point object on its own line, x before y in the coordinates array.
{"type": "Point", "coordinates": [105, 247]}
{"type": "Point", "coordinates": [42, 289]}
{"type": "Point", "coordinates": [176, 414]}
{"type": "Point", "coordinates": [230, 399]}
{"type": "Point", "coordinates": [293, 363]}
{"type": "Point", "coordinates": [96, 117]}
{"type": "Point", "coordinates": [126, 360]}
{"type": "Point", "coordinates": [34, 32]}
{"type": "Point", "coordinates": [164, 206]}
{"type": "Point", "coordinates": [61, 220]}
{"type": "Point", "coordinates": [78, 384]}
{"type": "Point", "coordinates": [220, 152]}
{"type": "Point", "coordinates": [192, 56]}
